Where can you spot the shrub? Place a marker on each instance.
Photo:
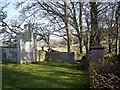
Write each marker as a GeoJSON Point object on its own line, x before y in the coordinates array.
{"type": "Point", "coordinates": [105, 74]}
{"type": "Point", "coordinates": [84, 64]}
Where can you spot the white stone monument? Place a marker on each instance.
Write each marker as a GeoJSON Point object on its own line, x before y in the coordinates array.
{"type": "Point", "coordinates": [26, 45]}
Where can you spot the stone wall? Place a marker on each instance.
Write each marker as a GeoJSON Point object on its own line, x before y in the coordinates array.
{"type": "Point", "coordinates": [60, 56]}
{"type": "Point", "coordinates": [0, 53]}
{"type": "Point", "coordinates": [41, 55]}
{"type": "Point", "coordinates": [26, 47]}
{"type": "Point", "coordinates": [9, 53]}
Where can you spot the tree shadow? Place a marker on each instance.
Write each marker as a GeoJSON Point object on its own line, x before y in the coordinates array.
{"type": "Point", "coordinates": [21, 79]}
{"type": "Point", "coordinates": [59, 64]}
{"type": "Point", "coordinates": [7, 62]}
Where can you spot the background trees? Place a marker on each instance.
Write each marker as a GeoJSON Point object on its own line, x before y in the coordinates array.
{"type": "Point", "coordinates": [5, 30]}
{"type": "Point", "coordinates": [93, 23]}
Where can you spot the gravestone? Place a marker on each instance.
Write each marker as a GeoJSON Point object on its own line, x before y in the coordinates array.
{"type": "Point", "coordinates": [96, 53]}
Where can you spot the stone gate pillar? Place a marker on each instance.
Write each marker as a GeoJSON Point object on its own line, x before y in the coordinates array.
{"type": "Point", "coordinates": [26, 45]}
{"type": "Point", "coordinates": [18, 47]}
{"type": "Point", "coordinates": [34, 47]}
{"type": "Point", "coordinates": [96, 53]}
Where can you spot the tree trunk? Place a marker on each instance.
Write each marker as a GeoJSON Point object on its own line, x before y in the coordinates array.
{"type": "Point", "coordinates": [88, 32]}
{"type": "Point", "coordinates": [110, 48]}
{"type": "Point", "coordinates": [94, 38]}
{"type": "Point", "coordinates": [78, 28]}
{"type": "Point", "coordinates": [119, 45]}
{"type": "Point", "coordinates": [116, 42]}
{"type": "Point", "coordinates": [117, 30]}
{"type": "Point", "coordinates": [109, 43]}
{"type": "Point", "coordinates": [88, 38]}
{"type": "Point", "coordinates": [67, 24]}
{"type": "Point", "coordinates": [80, 25]}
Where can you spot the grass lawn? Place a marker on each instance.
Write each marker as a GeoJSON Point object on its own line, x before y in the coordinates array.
{"type": "Point", "coordinates": [43, 75]}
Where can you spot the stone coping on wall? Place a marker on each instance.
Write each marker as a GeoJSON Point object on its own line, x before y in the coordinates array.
{"type": "Point", "coordinates": [96, 47]}
{"type": "Point", "coordinates": [8, 47]}
{"type": "Point", "coordinates": [60, 56]}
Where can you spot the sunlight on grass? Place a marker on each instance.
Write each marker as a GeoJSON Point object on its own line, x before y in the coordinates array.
{"type": "Point", "coordinates": [43, 75]}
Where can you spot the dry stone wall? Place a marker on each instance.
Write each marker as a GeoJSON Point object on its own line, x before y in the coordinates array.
{"type": "Point", "coordinates": [60, 56]}
{"type": "Point", "coordinates": [9, 53]}
{"type": "Point", "coordinates": [25, 50]}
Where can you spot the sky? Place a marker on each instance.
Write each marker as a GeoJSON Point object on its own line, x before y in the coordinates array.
{"type": "Point", "coordinates": [11, 11]}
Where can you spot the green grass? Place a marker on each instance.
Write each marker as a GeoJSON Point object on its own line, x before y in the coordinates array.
{"type": "Point", "coordinates": [43, 75]}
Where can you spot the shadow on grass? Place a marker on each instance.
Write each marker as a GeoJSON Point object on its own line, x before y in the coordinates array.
{"type": "Point", "coordinates": [47, 63]}
{"type": "Point", "coordinates": [59, 64]}
{"type": "Point", "coordinates": [5, 62]}
{"type": "Point", "coordinates": [56, 79]}
{"type": "Point", "coordinates": [19, 79]}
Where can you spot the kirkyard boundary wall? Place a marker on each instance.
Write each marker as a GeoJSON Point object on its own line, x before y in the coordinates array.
{"type": "Point", "coordinates": [25, 50]}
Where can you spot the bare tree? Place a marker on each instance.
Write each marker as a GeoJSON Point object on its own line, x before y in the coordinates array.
{"type": "Point", "coordinates": [68, 20]}
{"type": "Point", "coordinates": [87, 20]}
{"type": "Point", "coordinates": [5, 29]}
{"type": "Point", "coordinates": [67, 24]}
{"type": "Point", "coordinates": [110, 23]}
{"type": "Point", "coordinates": [94, 39]}
{"type": "Point", "coordinates": [77, 24]}
{"type": "Point", "coordinates": [63, 14]}
{"type": "Point", "coordinates": [117, 17]}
